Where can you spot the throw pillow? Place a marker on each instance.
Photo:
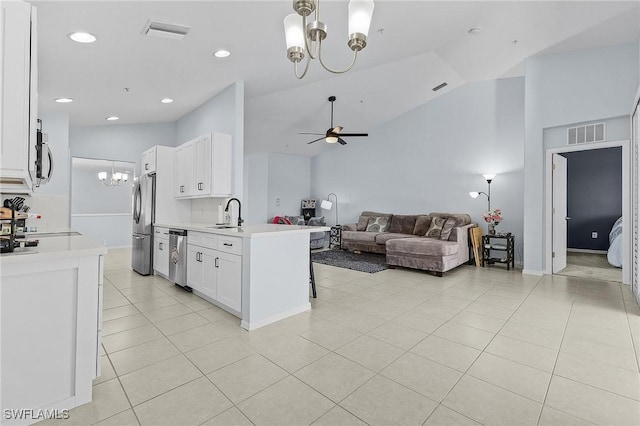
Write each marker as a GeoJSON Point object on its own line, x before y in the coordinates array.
{"type": "Point", "coordinates": [435, 229]}
{"type": "Point", "coordinates": [317, 221]}
{"type": "Point", "coordinates": [363, 221]}
{"type": "Point", "coordinates": [378, 224]}
{"type": "Point", "coordinates": [448, 226]}
{"type": "Point", "coordinates": [296, 220]}
{"type": "Point", "coordinates": [423, 222]}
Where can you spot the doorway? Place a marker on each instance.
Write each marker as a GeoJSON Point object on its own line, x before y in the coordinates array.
{"type": "Point", "coordinates": [592, 261]}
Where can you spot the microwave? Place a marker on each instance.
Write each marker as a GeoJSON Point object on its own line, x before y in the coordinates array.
{"type": "Point", "coordinates": [44, 158]}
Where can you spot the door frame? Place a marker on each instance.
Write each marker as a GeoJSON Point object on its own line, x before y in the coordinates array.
{"type": "Point", "coordinates": [626, 201]}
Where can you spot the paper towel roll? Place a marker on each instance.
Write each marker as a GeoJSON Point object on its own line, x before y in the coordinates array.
{"type": "Point", "coordinates": [220, 214]}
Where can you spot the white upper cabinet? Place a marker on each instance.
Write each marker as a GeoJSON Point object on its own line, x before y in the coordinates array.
{"type": "Point", "coordinates": [19, 107]}
{"type": "Point", "coordinates": [149, 162]}
{"type": "Point", "coordinates": [203, 167]}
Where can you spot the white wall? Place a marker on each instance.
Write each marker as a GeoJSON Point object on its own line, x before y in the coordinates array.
{"type": "Point", "coordinates": [222, 113]}
{"type": "Point", "coordinates": [289, 181]}
{"type": "Point", "coordinates": [429, 159]}
{"type": "Point", "coordinates": [256, 176]}
{"type": "Point", "coordinates": [565, 88]}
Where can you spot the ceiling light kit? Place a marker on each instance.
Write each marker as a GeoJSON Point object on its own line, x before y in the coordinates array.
{"type": "Point", "coordinates": [334, 134]}
{"type": "Point", "coordinates": [82, 37]}
{"type": "Point", "coordinates": [112, 118]}
{"type": "Point", "coordinates": [63, 100]}
{"type": "Point", "coordinates": [221, 53]}
{"type": "Point", "coordinates": [164, 30]}
{"type": "Point", "coordinates": [166, 100]}
{"type": "Point", "coordinates": [305, 38]}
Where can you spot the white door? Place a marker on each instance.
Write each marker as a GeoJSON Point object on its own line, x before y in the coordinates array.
{"type": "Point", "coordinates": [559, 209]}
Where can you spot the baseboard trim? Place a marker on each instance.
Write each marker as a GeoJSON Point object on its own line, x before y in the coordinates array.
{"type": "Point", "coordinates": [574, 250]}
{"type": "Point", "coordinates": [532, 272]}
{"type": "Point", "coordinates": [265, 321]}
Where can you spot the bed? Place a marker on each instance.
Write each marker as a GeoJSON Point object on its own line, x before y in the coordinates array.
{"type": "Point", "coordinates": [614, 254]}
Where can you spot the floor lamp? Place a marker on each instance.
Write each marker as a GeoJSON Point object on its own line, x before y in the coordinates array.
{"type": "Point", "coordinates": [489, 177]}
{"type": "Point", "coordinates": [326, 205]}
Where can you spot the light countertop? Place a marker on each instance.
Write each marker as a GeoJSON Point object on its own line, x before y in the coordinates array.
{"type": "Point", "coordinates": [53, 246]}
{"type": "Point", "coordinates": [248, 231]}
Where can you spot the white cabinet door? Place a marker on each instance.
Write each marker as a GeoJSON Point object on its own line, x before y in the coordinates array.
{"type": "Point", "coordinates": [149, 161]}
{"type": "Point", "coordinates": [229, 267]}
{"type": "Point", "coordinates": [161, 256]}
{"type": "Point", "coordinates": [183, 170]}
{"type": "Point", "coordinates": [19, 96]}
{"type": "Point", "coordinates": [209, 277]}
{"type": "Point", "coordinates": [202, 165]}
{"type": "Point", "coordinates": [195, 268]}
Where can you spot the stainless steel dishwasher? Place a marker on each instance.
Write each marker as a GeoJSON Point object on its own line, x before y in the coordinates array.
{"type": "Point", "coordinates": [178, 257]}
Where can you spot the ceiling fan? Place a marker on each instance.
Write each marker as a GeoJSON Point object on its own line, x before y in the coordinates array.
{"type": "Point", "coordinates": [334, 134]}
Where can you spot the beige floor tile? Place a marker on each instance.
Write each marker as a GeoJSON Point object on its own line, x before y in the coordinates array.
{"type": "Point", "coordinates": [220, 354]}
{"type": "Point", "coordinates": [443, 416]}
{"type": "Point", "coordinates": [620, 338]}
{"type": "Point", "coordinates": [552, 417]}
{"type": "Point", "coordinates": [493, 299]}
{"type": "Point", "coordinates": [198, 304]}
{"type": "Point", "coordinates": [338, 416]}
{"type": "Point", "coordinates": [330, 335]}
{"type": "Point", "coordinates": [171, 311]}
{"type": "Point", "coordinates": [190, 404]}
{"type": "Point", "coordinates": [107, 371]}
{"type": "Point", "coordinates": [146, 383]}
{"type": "Point", "coordinates": [129, 338]}
{"type": "Point", "coordinates": [426, 377]}
{"type": "Point", "coordinates": [398, 335]}
{"type": "Point", "coordinates": [358, 321]}
{"type": "Point", "coordinates": [451, 300]}
{"type": "Point", "coordinates": [231, 417]}
{"type": "Point", "coordinates": [124, 323]}
{"type": "Point", "coordinates": [119, 312]}
{"type": "Point", "coordinates": [370, 352]}
{"type": "Point", "coordinates": [193, 338]}
{"type": "Point", "coordinates": [213, 314]}
{"type": "Point", "coordinates": [142, 293]}
{"type": "Point", "coordinates": [490, 310]}
{"type": "Point", "coordinates": [181, 323]}
{"type": "Point", "coordinates": [592, 404]}
{"type": "Point", "coordinates": [468, 336]}
{"type": "Point", "coordinates": [536, 335]}
{"type": "Point", "coordinates": [108, 399]}
{"type": "Point", "coordinates": [125, 418]}
{"type": "Point", "coordinates": [481, 321]}
{"type": "Point", "coordinates": [419, 321]}
{"type": "Point", "coordinates": [437, 310]}
{"type": "Point", "coordinates": [381, 401]}
{"type": "Point", "coordinates": [510, 375]}
{"type": "Point", "coordinates": [598, 374]}
{"type": "Point", "coordinates": [383, 309]}
{"type": "Point", "coordinates": [334, 376]}
{"type": "Point", "coordinates": [288, 402]}
{"type": "Point", "coordinates": [489, 404]}
{"type": "Point", "coordinates": [293, 353]}
{"type": "Point", "coordinates": [446, 352]}
{"type": "Point", "coordinates": [141, 356]}
{"type": "Point", "coordinates": [247, 377]}
{"type": "Point", "coordinates": [155, 304]}
{"type": "Point", "coordinates": [525, 353]}
{"type": "Point", "coordinates": [115, 302]}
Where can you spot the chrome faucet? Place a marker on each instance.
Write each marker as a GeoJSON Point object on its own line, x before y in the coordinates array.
{"type": "Point", "coordinates": [226, 209]}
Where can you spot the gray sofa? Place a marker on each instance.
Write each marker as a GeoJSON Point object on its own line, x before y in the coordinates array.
{"type": "Point", "coordinates": [436, 242]}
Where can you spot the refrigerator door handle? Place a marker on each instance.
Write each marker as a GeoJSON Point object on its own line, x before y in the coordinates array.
{"type": "Point", "coordinates": [137, 203]}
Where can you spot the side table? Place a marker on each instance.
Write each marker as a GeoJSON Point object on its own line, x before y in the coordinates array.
{"type": "Point", "coordinates": [498, 248]}
{"type": "Point", "coordinates": [335, 237]}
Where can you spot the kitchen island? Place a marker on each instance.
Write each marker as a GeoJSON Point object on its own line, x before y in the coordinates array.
{"type": "Point", "coordinates": [259, 273]}
{"type": "Point", "coordinates": [51, 322]}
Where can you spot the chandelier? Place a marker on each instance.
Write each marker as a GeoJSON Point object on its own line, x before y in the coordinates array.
{"type": "Point", "coordinates": [305, 38]}
{"type": "Point", "coordinates": [117, 178]}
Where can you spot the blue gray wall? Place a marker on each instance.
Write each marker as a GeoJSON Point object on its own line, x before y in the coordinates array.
{"type": "Point", "coordinates": [594, 196]}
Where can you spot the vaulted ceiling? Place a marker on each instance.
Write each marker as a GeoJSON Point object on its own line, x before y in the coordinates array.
{"type": "Point", "coordinates": [412, 47]}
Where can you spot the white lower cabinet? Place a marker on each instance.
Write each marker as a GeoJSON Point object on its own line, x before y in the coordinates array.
{"type": "Point", "coordinates": [215, 273]}
{"type": "Point", "coordinates": [161, 251]}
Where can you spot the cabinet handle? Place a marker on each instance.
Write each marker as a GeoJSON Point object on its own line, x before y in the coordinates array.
{"type": "Point", "coordinates": [217, 265]}
{"type": "Point", "coordinates": [160, 245]}
{"type": "Point", "coordinates": [227, 244]}
{"type": "Point", "coordinates": [200, 186]}
{"type": "Point", "coordinates": [181, 188]}
{"type": "Point", "coordinates": [146, 166]}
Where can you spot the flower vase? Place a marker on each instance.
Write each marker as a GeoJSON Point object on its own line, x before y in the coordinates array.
{"type": "Point", "coordinates": [492, 229]}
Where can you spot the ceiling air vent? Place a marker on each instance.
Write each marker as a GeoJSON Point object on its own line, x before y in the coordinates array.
{"type": "Point", "coordinates": [164, 30]}
{"type": "Point", "coordinates": [438, 87]}
{"type": "Point", "coordinates": [586, 134]}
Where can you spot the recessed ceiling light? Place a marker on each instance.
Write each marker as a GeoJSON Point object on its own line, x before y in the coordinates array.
{"type": "Point", "coordinates": [222, 53]}
{"type": "Point", "coordinates": [166, 100]}
{"type": "Point", "coordinates": [81, 37]}
{"type": "Point", "coordinates": [63, 100]}
{"type": "Point", "coordinates": [474, 30]}
{"type": "Point", "coordinates": [113, 118]}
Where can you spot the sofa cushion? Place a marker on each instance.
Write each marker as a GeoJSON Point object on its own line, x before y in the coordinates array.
{"type": "Point", "coordinates": [448, 226]}
{"type": "Point", "coordinates": [382, 238]}
{"type": "Point", "coordinates": [359, 236]}
{"type": "Point", "coordinates": [316, 221]}
{"type": "Point", "coordinates": [435, 229]}
{"type": "Point", "coordinates": [363, 222]}
{"type": "Point", "coordinates": [422, 246]}
{"type": "Point", "coordinates": [403, 224]}
{"type": "Point", "coordinates": [378, 224]}
{"type": "Point", "coordinates": [296, 220]}
{"type": "Point", "coordinates": [462, 218]}
{"type": "Point", "coordinates": [423, 222]}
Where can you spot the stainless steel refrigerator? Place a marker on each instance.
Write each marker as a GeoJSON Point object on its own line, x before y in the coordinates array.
{"type": "Point", "coordinates": [144, 188]}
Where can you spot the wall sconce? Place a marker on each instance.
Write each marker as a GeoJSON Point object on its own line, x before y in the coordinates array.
{"type": "Point", "coordinates": [326, 205]}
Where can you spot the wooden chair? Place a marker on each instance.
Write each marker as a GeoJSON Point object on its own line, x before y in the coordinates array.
{"type": "Point", "coordinates": [476, 244]}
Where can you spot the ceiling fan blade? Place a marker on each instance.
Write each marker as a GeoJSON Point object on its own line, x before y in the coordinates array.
{"type": "Point", "coordinates": [316, 140]}
{"type": "Point", "coordinates": [354, 134]}
{"type": "Point", "coordinates": [306, 133]}
{"type": "Point", "coordinates": [341, 141]}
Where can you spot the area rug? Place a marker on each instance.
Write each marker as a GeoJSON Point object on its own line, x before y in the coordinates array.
{"type": "Point", "coordinates": [363, 262]}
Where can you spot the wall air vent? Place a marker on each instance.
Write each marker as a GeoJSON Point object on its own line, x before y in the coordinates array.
{"type": "Point", "coordinates": [586, 134]}
{"type": "Point", "coordinates": [438, 87]}
{"type": "Point", "coordinates": [164, 30]}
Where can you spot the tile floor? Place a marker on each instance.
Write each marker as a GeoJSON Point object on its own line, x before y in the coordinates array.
{"type": "Point", "coordinates": [477, 346]}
